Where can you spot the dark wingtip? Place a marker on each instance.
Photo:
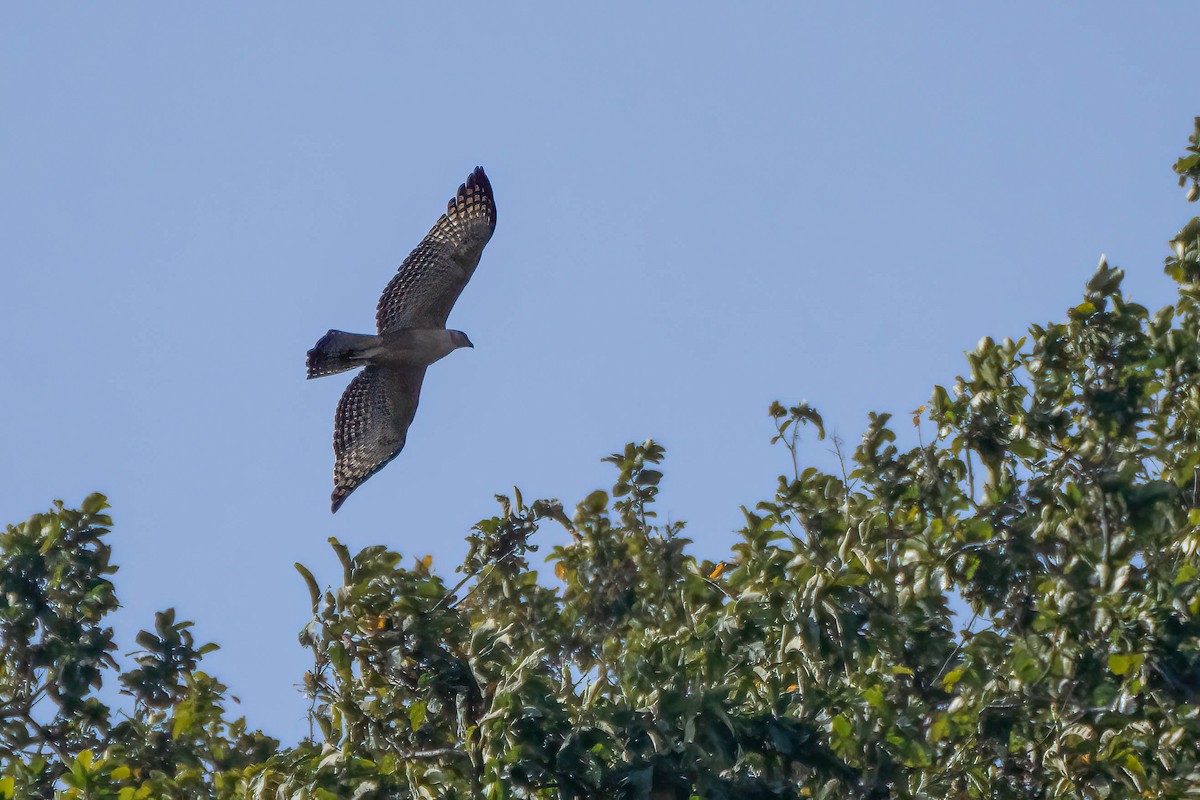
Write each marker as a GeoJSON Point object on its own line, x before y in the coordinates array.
{"type": "Point", "coordinates": [339, 496]}
{"type": "Point", "coordinates": [476, 186]}
{"type": "Point", "coordinates": [479, 178]}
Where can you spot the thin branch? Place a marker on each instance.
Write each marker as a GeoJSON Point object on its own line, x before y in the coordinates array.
{"type": "Point", "coordinates": [971, 476]}
{"type": "Point", "coordinates": [1104, 531]}
{"type": "Point", "coordinates": [957, 647]}
{"type": "Point", "coordinates": [453, 591]}
{"type": "Point", "coordinates": [491, 568]}
{"type": "Point", "coordinates": [45, 734]}
{"type": "Point", "coordinates": [716, 586]}
{"type": "Point", "coordinates": [441, 752]}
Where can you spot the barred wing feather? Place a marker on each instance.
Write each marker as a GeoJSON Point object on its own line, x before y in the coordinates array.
{"type": "Point", "coordinates": [371, 424]}
{"type": "Point", "coordinates": [430, 280]}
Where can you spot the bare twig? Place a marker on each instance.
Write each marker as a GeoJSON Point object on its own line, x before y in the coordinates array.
{"type": "Point", "coordinates": [440, 752]}
{"type": "Point", "coordinates": [453, 591]}
{"type": "Point", "coordinates": [954, 652]}
{"type": "Point", "coordinates": [45, 734]}
{"type": "Point", "coordinates": [491, 568]}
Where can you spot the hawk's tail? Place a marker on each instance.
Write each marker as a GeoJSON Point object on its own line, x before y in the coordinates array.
{"type": "Point", "coordinates": [338, 351]}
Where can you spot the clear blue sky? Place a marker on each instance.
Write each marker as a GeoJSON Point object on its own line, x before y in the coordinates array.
{"type": "Point", "coordinates": [701, 209]}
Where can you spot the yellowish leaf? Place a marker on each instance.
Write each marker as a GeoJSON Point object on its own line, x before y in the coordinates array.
{"type": "Point", "coordinates": [560, 571]}
{"type": "Point", "coordinates": [716, 573]}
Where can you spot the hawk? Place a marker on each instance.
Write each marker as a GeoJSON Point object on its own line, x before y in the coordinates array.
{"type": "Point", "coordinates": [372, 419]}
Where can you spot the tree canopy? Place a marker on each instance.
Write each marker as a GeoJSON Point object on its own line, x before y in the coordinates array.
{"type": "Point", "coordinates": [1010, 609]}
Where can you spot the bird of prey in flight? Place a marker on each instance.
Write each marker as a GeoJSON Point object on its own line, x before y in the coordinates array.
{"type": "Point", "coordinates": [373, 416]}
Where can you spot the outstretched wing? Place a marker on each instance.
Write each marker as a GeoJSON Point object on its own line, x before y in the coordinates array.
{"type": "Point", "coordinates": [371, 424]}
{"type": "Point", "coordinates": [425, 287]}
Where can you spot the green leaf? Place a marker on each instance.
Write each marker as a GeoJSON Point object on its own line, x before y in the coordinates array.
{"type": "Point", "coordinates": [94, 503]}
{"type": "Point", "coordinates": [1123, 664]}
{"type": "Point", "coordinates": [1186, 163]}
{"type": "Point", "coordinates": [940, 729]}
{"type": "Point", "coordinates": [595, 502]}
{"type": "Point", "coordinates": [314, 591]}
{"type": "Point", "coordinates": [648, 477]}
{"type": "Point", "coordinates": [183, 720]}
{"type": "Point", "coordinates": [1024, 448]}
{"type": "Point", "coordinates": [343, 554]}
{"type": "Point", "coordinates": [417, 714]}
